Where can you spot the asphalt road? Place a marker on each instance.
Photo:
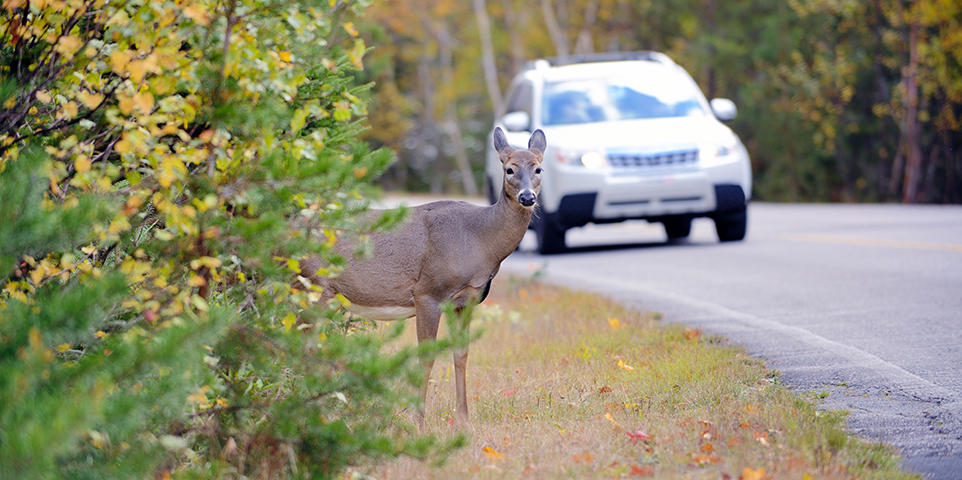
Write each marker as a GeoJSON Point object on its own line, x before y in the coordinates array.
{"type": "Point", "coordinates": [863, 302]}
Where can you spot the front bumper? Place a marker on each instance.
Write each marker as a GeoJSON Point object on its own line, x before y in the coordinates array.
{"type": "Point", "coordinates": [576, 195]}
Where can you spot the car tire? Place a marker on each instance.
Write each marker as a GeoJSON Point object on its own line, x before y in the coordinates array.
{"type": "Point", "coordinates": [731, 226]}
{"type": "Point", "coordinates": [677, 228]}
{"type": "Point", "coordinates": [550, 235]}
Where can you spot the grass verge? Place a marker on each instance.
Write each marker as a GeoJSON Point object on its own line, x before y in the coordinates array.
{"type": "Point", "coordinates": [565, 384]}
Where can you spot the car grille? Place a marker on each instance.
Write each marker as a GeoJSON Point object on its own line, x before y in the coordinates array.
{"type": "Point", "coordinates": [660, 159]}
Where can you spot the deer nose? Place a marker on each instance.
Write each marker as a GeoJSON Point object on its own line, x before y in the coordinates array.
{"type": "Point", "coordinates": [527, 198]}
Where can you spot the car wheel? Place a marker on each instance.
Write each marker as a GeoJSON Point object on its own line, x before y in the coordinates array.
{"type": "Point", "coordinates": [677, 228]}
{"type": "Point", "coordinates": [551, 235]}
{"type": "Point", "coordinates": [731, 226]}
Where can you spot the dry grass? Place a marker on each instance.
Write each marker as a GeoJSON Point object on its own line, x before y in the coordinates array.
{"type": "Point", "coordinates": [565, 384]}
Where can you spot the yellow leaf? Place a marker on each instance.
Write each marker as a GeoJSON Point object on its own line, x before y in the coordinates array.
{"type": "Point", "coordinates": [43, 96]}
{"type": "Point", "coordinates": [751, 474]}
{"type": "Point", "coordinates": [197, 13]}
{"type": "Point", "coordinates": [614, 322]}
{"type": "Point", "coordinates": [492, 453]}
{"type": "Point", "coordinates": [144, 101]}
{"type": "Point", "coordinates": [82, 163]}
{"type": "Point", "coordinates": [100, 334]}
{"type": "Point", "coordinates": [289, 320]}
{"type": "Point", "coordinates": [137, 70]}
{"type": "Point", "coordinates": [349, 28]}
{"type": "Point", "coordinates": [344, 301]}
{"type": "Point", "coordinates": [612, 420]}
{"type": "Point", "coordinates": [200, 396]}
{"type": "Point", "coordinates": [68, 44]}
{"type": "Point", "coordinates": [125, 103]}
{"type": "Point", "coordinates": [331, 237]}
{"type": "Point", "coordinates": [91, 100]}
{"type": "Point", "coordinates": [294, 265]}
{"type": "Point", "coordinates": [119, 60]}
{"type": "Point", "coordinates": [285, 56]}
{"type": "Point", "coordinates": [63, 347]}
{"type": "Point", "coordinates": [70, 109]}
{"type": "Point", "coordinates": [625, 366]}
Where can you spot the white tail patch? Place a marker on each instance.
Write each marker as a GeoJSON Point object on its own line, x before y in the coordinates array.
{"type": "Point", "coordinates": [382, 313]}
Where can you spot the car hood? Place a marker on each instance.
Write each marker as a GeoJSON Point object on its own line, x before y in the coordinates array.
{"type": "Point", "coordinates": [641, 135]}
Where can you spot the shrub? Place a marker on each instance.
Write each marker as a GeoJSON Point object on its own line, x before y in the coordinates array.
{"type": "Point", "coordinates": [164, 166]}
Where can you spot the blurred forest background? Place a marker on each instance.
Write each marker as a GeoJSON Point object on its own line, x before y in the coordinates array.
{"type": "Point", "coordinates": [839, 100]}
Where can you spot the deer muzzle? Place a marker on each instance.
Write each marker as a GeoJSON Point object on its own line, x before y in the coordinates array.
{"type": "Point", "coordinates": [527, 197]}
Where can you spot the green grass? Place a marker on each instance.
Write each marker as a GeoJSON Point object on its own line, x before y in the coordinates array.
{"type": "Point", "coordinates": [565, 384]}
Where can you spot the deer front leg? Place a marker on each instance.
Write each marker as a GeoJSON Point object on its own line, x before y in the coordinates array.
{"type": "Point", "coordinates": [460, 366]}
{"type": "Point", "coordinates": [428, 317]}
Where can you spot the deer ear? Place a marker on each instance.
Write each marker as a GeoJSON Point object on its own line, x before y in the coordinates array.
{"type": "Point", "coordinates": [537, 141]}
{"type": "Point", "coordinates": [501, 141]}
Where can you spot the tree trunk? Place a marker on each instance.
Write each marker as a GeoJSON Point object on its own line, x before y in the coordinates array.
{"type": "Point", "coordinates": [712, 31]}
{"type": "Point", "coordinates": [487, 56]}
{"type": "Point", "coordinates": [451, 127]}
{"type": "Point", "coordinates": [554, 29]}
{"type": "Point", "coordinates": [913, 156]}
{"type": "Point", "coordinates": [516, 20]}
{"type": "Point", "coordinates": [426, 150]}
{"type": "Point", "coordinates": [584, 43]}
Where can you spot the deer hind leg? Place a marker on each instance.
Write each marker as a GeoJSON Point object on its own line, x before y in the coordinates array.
{"type": "Point", "coordinates": [428, 318]}
{"type": "Point", "coordinates": [460, 367]}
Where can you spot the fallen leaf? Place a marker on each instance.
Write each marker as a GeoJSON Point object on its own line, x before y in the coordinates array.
{"type": "Point", "coordinates": [692, 333]}
{"type": "Point", "coordinates": [751, 474]}
{"type": "Point", "coordinates": [605, 389]}
{"type": "Point", "coordinates": [583, 458]}
{"type": "Point", "coordinates": [613, 421]}
{"type": "Point", "coordinates": [614, 322]}
{"type": "Point", "coordinates": [639, 436]}
{"type": "Point", "coordinates": [761, 437]}
{"type": "Point", "coordinates": [492, 453]}
{"type": "Point", "coordinates": [707, 448]}
{"type": "Point", "coordinates": [623, 365]}
{"type": "Point", "coordinates": [702, 460]}
{"type": "Point", "coordinates": [637, 471]}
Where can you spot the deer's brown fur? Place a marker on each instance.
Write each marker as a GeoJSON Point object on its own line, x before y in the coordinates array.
{"type": "Point", "coordinates": [444, 251]}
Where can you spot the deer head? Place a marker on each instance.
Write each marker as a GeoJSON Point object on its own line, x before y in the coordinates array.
{"type": "Point", "coordinates": [522, 168]}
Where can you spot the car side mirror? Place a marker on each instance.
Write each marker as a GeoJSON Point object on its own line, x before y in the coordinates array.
{"type": "Point", "coordinates": [516, 121]}
{"type": "Point", "coordinates": [724, 109]}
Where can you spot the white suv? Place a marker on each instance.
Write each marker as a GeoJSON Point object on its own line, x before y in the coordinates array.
{"type": "Point", "coordinates": [630, 136]}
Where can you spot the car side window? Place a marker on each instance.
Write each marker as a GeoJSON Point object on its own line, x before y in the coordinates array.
{"type": "Point", "coordinates": [520, 100]}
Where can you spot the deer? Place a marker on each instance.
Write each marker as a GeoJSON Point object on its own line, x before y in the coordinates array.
{"type": "Point", "coordinates": [444, 251]}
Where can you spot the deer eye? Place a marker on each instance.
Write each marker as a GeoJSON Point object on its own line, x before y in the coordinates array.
{"type": "Point", "coordinates": [509, 171]}
{"type": "Point", "coordinates": [538, 170]}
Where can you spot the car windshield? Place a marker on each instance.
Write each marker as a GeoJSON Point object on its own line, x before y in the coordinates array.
{"type": "Point", "coordinates": [619, 98]}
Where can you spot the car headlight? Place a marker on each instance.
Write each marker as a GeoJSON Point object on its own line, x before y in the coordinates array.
{"type": "Point", "coordinates": [591, 159]}
{"type": "Point", "coordinates": [714, 153]}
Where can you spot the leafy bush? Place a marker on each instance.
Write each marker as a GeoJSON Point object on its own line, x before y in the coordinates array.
{"type": "Point", "coordinates": [165, 164]}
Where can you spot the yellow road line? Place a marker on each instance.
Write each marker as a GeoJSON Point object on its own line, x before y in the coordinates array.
{"type": "Point", "coordinates": [875, 242]}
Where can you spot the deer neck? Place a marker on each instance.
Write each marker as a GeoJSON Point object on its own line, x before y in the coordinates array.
{"type": "Point", "coordinates": [505, 224]}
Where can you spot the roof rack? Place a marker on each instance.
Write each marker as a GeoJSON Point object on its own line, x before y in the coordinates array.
{"type": "Point", "coordinates": [650, 56]}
